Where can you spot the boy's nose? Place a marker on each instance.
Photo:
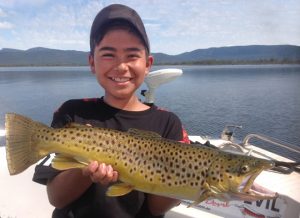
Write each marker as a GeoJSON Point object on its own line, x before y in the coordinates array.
{"type": "Point", "coordinates": [121, 67]}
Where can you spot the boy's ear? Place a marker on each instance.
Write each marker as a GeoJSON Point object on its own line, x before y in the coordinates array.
{"type": "Point", "coordinates": [149, 63]}
{"type": "Point", "coordinates": [92, 63]}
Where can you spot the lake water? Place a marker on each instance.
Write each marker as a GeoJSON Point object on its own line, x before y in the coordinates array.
{"type": "Point", "coordinates": [263, 99]}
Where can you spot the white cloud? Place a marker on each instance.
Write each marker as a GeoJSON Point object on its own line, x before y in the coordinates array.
{"type": "Point", "coordinates": [2, 13]}
{"type": "Point", "coordinates": [20, 3]}
{"type": "Point", "coordinates": [61, 26]}
{"type": "Point", "coordinates": [5, 25]}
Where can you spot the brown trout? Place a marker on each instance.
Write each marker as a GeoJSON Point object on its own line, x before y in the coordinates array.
{"type": "Point", "coordinates": [144, 160]}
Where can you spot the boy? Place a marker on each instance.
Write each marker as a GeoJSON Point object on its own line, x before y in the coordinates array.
{"type": "Point", "coordinates": [120, 60]}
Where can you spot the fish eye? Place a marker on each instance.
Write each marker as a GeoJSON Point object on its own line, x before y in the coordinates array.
{"type": "Point", "coordinates": [245, 169]}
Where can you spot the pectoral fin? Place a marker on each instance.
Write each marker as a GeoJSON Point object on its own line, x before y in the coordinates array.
{"type": "Point", "coordinates": [201, 198]}
{"type": "Point", "coordinates": [61, 162]}
{"type": "Point", "coordinates": [119, 189]}
{"type": "Point", "coordinates": [204, 194]}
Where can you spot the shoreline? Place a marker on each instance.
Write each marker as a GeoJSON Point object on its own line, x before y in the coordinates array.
{"type": "Point", "coordinates": [170, 64]}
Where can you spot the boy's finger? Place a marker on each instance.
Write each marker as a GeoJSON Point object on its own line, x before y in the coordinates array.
{"type": "Point", "coordinates": [90, 169]}
{"type": "Point", "coordinates": [115, 176]}
{"type": "Point", "coordinates": [109, 172]}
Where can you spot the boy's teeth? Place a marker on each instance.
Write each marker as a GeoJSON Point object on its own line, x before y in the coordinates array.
{"type": "Point", "coordinates": [117, 79]}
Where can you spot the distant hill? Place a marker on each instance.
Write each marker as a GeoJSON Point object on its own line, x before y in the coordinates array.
{"type": "Point", "coordinates": [236, 54]}
{"type": "Point", "coordinates": [224, 55]}
{"type": "Point", "coordinates": [42, 57]}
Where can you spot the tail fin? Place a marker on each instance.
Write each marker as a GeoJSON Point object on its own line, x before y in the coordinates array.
{"type": "Point", "coordinates": [21, 150]}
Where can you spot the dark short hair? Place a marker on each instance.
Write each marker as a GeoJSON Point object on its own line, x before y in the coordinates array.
{"type": "Point", "coordinates": [117, 16]}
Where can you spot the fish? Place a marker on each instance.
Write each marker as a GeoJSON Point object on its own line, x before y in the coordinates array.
{"type": "Point", "coordinates": [144, 160]}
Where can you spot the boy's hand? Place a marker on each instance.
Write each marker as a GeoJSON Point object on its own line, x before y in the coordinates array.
{"type": "Point", "coordinates": [102, 173]}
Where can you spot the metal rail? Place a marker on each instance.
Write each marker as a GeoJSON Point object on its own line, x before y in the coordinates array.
{"type": "Point", "coordinates": [272, 141]}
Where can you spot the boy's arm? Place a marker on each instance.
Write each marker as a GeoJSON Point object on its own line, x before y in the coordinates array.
{"type": "Point", "coordinates": [69, 185]}
{"type": "Point", "coordinates": [159, 205]}
{"type": "Point", "coordinates": [66, 187]}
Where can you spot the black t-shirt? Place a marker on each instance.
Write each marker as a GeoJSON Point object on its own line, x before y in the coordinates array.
{"type": "Point", "coordinates": [94, 202]}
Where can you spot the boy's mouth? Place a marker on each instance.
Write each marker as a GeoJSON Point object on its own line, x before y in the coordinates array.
{"type": "Point", "coordinates": [120, 79]}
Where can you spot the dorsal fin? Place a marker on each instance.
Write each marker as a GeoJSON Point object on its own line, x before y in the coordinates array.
{"type": "Point", "coordinates": [143, 133]}
{"type": "Point", "coordinates": [76, 125]}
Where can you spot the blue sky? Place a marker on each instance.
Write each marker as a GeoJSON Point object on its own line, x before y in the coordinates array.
{"type": "Point", "coordinates": [173, 26]}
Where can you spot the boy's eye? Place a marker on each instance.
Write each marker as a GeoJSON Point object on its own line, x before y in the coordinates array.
{"type": "Point", "coordinates": [107, 55]}
{"type": "Point", "coordinates": [133, 56]}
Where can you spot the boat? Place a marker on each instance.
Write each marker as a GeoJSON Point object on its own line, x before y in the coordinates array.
{"type": "Point", "coordinates": [284, 179]}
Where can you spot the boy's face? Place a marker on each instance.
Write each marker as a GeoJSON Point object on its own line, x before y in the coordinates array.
{"type": "Point", "coordinates": [120, 64]}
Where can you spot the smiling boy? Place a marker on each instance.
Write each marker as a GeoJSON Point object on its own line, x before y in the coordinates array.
{"type": "Point", "coordinates": [120, 59]}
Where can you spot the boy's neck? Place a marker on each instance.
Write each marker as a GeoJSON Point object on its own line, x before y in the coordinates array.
{"type": "Point", "coordinates": [132, 104]}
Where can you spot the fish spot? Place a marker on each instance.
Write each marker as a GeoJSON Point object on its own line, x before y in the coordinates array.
{"type": "Point", "coordinates": [203, 173]}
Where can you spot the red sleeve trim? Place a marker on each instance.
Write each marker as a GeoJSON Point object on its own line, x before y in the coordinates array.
{"type": "Point", "coordinates": [185, 137]}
